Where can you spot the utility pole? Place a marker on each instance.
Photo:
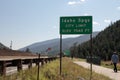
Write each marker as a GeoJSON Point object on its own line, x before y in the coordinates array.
{"type": "Point", "coordinates": [11, 45]}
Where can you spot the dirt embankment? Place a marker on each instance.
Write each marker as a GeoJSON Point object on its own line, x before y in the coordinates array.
{"type": "Point", "coordinates": [8, 52]}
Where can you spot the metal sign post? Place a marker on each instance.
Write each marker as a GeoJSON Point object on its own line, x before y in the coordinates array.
{"type": "Point", "coordinates": [91, 60]}
{"type": "Point", "coordinates": [60, 54]}
{"type": "Point", "coordinates": [75, 25]}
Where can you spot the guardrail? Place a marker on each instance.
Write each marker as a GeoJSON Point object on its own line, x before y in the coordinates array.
{"type": "Point", "coordinates": [20, 61]}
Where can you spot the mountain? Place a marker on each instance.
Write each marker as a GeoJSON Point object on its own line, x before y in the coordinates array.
{"type": "Point", "coordinates": [54, 44]}
{"type": "Point", "coordinates": [9, 52]}
{"type": "Point", "coordinates": [104, 44]}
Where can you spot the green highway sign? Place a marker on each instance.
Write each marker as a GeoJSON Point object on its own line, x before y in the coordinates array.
{"type": "Point", "coordinates": [76, 25]}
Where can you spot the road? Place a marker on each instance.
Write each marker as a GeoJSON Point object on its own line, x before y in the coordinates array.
{"type": "Point", "coordinates": [101, 70]}
{"type": "Point", "coordinates": [12, 70]}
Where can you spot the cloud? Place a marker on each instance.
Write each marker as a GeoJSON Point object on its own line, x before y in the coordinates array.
{"type": "Point", "coordinates": [82, 0]}
{"type": "Point", "coordinates": [72, 3]}
{"type": "Point", "coordinates": [118, 8]}
{"type": "Point", "coordinates": [107, 20]}
{"type": "Point", "coordinates": [75, 2]}
{"type": "Point", "coordinates": [96, 23]}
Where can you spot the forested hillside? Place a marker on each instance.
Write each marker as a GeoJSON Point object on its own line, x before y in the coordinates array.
{"type": "Point", "coordinates": [104, 44]}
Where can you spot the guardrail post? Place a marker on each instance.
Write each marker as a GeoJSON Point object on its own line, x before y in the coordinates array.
{"type": "Point", "coordinates": [36, 61]}
{"type": "Point", "coordinates": [49, 60]}
{"type": "Point", "coordinates": [2, 67]}
{"type": "Point", "coordinates": [46, 61]}
{"type": "Point", "coordinates": [19, 64]}
{"type": "Point", "coordinates": [42, 62]}
{"type": "Point", "coordinates": [30, 63]}
{"type": "Point", "coordinates": [38, 67]}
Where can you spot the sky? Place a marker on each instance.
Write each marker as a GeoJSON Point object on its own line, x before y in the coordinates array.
{"type": "Point", "coordinates": [25, 22]}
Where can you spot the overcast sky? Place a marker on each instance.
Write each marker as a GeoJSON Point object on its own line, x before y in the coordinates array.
{"type": "Point", "coordinates": [29, 21]}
